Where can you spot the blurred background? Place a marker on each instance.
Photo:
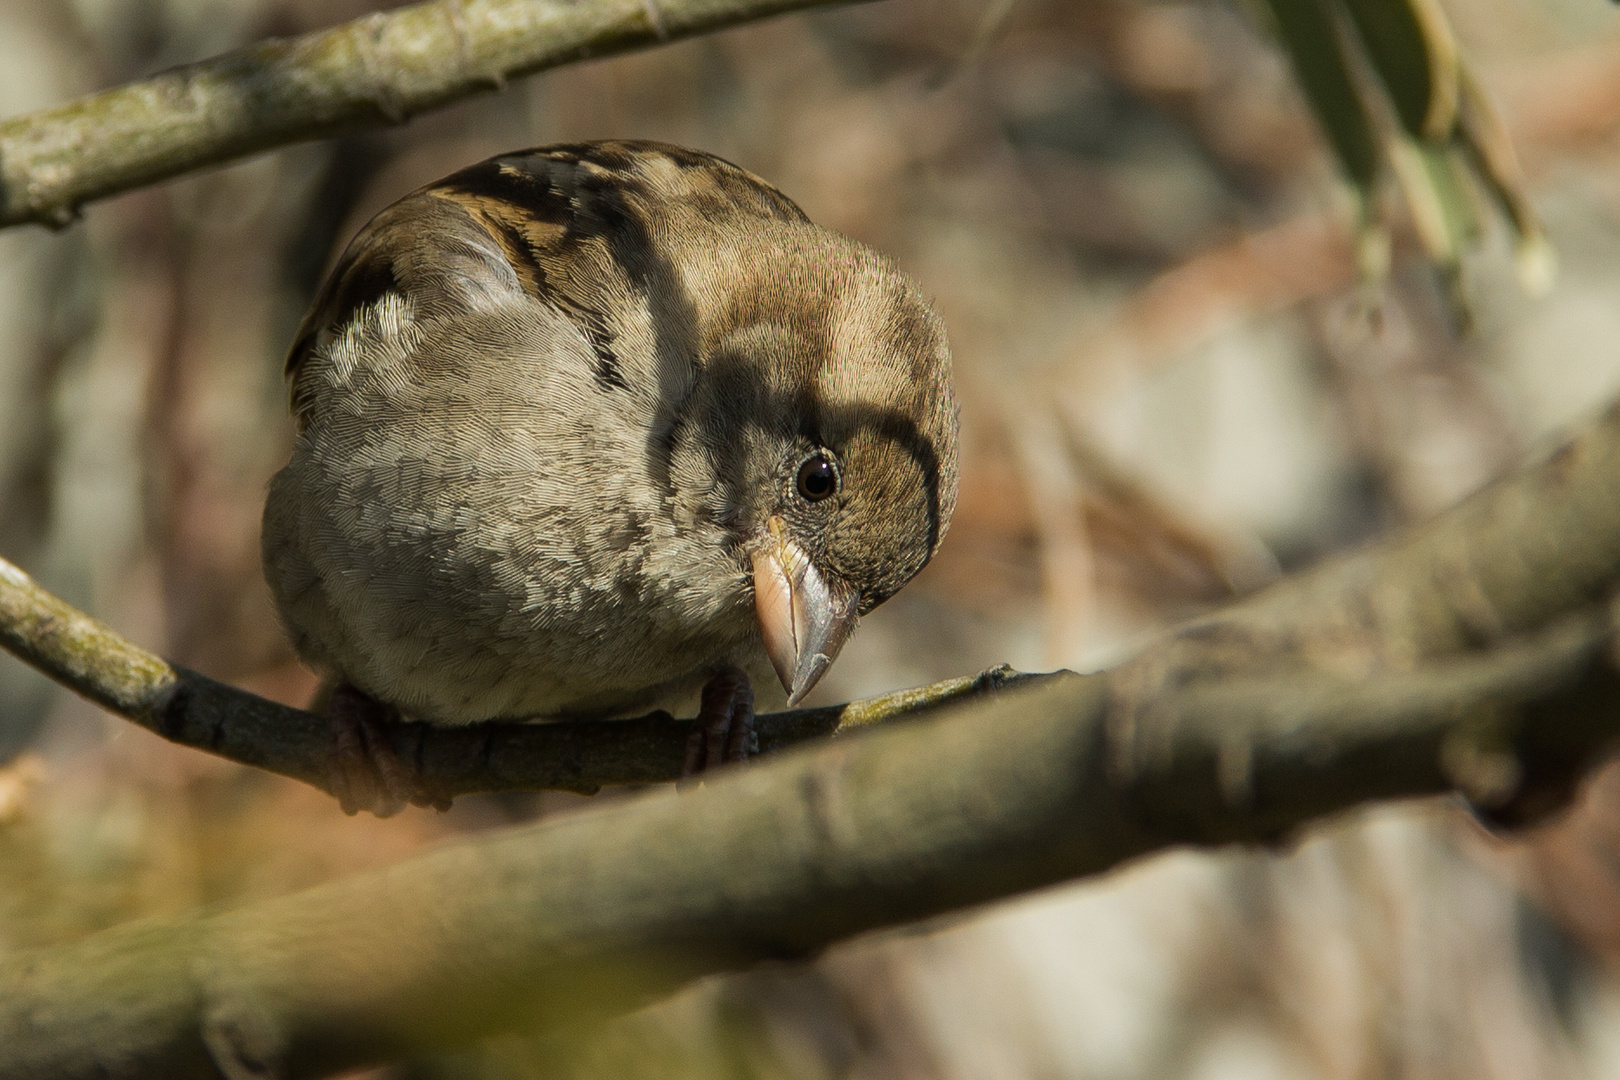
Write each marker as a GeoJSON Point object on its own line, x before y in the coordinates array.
{"type": "Point", "coordinates": [1175, 384]}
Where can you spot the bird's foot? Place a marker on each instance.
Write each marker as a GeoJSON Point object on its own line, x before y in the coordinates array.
{"type": "Point", "coordinates": [724, 729]}
{"type": "Point", "coordinates": [366, 774]}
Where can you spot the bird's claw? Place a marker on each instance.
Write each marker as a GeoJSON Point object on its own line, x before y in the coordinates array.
{"type": "Point", "coordinates": [723, 732]}
{"type": "Point", "coordinates": [366, 773]}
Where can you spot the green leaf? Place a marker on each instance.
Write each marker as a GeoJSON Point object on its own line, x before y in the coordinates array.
{"type": "Point", "coordinates": [1306, 29]}
{"type": "Point", "coordinates": [1445, 212]}
{"type": "Point", "coordinates": [1384, 77]}
{"type": "Point", "coordinates": [1411, 47]}
{"type": "Point", "coordinates": [1483, 139]}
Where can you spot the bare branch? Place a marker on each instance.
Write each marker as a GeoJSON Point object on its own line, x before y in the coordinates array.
{"type": "Point", "coordinates": [88, 657]}
{"type": "Point", "coordinates": [381, 69]}
{"type": "Point", "coordinates": [1522, 552]}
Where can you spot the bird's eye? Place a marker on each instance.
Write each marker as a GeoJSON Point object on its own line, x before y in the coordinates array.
{"type": "Point", "coordinates": [818, 478]}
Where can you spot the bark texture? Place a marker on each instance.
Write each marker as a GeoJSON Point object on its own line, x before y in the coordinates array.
{"type": "Point", "coordinates": [380, 69]}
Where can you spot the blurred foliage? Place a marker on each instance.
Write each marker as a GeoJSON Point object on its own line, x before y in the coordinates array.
{"type": "Point", "coordinates": [1387, 81]}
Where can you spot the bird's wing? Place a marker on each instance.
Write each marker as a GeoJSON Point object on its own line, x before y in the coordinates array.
{"type": "Point", "coordinates": [571, 226]}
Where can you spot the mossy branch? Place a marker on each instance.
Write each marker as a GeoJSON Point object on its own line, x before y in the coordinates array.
{"type": "Point", "coordinates": [381, 69]}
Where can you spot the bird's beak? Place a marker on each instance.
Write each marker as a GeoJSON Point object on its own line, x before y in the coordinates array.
{"type": "Point", "coordinates": [804, 618]}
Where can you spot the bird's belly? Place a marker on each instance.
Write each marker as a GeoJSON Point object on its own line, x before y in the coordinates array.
{"type": "Point", "coordinates": [461, 618]}
{"type": "Point", "coordinates": [629, 666]}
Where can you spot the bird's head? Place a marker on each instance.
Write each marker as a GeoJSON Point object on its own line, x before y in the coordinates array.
{"type": "Point", "coordinates": [832, 420]}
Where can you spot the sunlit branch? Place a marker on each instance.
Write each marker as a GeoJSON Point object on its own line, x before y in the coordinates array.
{"type": "Point", "coordinates": [381, 69]}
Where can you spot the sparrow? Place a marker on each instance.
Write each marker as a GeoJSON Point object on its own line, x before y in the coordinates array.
{"type": "Point", "coordinates": [589, 429]}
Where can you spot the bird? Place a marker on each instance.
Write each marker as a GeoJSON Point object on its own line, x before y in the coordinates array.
{"type": "Point", "coordinates": [587, 429]}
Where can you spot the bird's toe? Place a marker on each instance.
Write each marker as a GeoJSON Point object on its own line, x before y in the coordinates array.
{"type": "Point", "coordinates": [366, 773]}
{"type": "Point", "coordinates": [723, 732]}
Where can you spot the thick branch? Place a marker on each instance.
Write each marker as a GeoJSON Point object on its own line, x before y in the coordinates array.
{"type": "Point", "coordinates": [380, 69]}
{"type": "Point", "coordinates": [598, 913]}
{"type": "Point", "coordinates": [1524, 551]}
{"type": "Point", "coordinates": [193, 710]}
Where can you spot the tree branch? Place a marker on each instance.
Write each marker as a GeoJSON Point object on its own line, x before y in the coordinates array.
{"type": "Point", "coordinates": [599, 913]}
{"type": "Point", "coordinates": [91, 659]}
{"type": "Point", "coordinates": [381, 69]}
{"type": "Point", "coordinates": [1525, 550]}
